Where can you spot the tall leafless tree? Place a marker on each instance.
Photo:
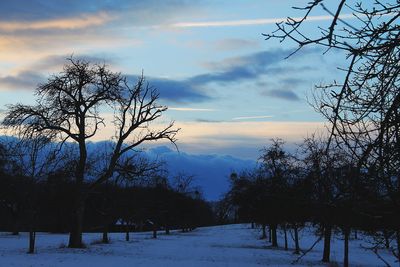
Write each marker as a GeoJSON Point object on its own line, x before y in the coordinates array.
{"type": "Point", "coordinates": [372, 45]}
{"type": "Point", "coordinates": [70, 106]}
{"type": "Point", "coordinates": [363, 108]}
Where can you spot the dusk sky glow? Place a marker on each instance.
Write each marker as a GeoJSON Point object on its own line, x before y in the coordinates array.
{"type": "Point", "coordinates": [199, 133]}
{"type": "Point", "coordinates": [227, 88]}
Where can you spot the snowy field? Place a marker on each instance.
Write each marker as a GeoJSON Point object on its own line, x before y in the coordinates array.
{"type": "Point", "coordinates": [230, 245]}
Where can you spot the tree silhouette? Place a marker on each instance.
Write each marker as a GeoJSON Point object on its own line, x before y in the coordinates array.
{"type": "Point", "coordinates": [371, 79]}
{"type": "Point", "coordinates": [363, 108]}
{"type": "Point", "coordinates": [70, 107]}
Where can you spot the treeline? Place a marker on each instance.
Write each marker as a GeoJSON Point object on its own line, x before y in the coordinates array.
{"type": "Point", "coordinates": [316, 186]}
{"type": "Point", "coordinates": [141, 197]}
{"type": "Point", "coordinates": [112, 207]}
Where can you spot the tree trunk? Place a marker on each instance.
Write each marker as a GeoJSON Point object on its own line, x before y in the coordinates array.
{"type": "Point", "coordinates": [269, 234]}
{"type": "Point", "coordinates": [126, 232]}
{"type": "Point", "coordinates": [167, 223]}
{"type": "Point", "coordinates": [32, 233]}
{"type": "Point", "coordinates": [264, 234]}
{"type": "Point", "coordinates": [274, 236]}
{"type": "Point", "coordinates": [154, 231]}
{"type": "Point", "coordinates": [252, 225]}
{"type": "Point", "coordinates": [296, 241]}
{"type": "Point", "coordinates": [285, 234]}
{"type": "Point", "coordinates": [105, 238]}
{"type": "Point", "coordinates": [327, 243]}
{"type": "Point", "coordinates": [32, 239]}
{"type": "Point", "coordinates": [398, 244]}
{"type": "Point", "coordinates": [75, 236]}
{"type": "Point", "coordinates": [346, 247]}
{"type": "Point", "coordinates": [15, 230]}
{"type": "Point", "coordinates": [127, 235]}
{"type": "Point", "coordinates": [14, 211]}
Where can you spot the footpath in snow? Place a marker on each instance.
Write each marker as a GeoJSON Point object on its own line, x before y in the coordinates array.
{"type": "Point", "coordinates": [229, 245]}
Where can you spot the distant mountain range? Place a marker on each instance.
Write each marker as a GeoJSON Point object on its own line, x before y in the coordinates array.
{"type": "Point", "coordinates": [211, 171]}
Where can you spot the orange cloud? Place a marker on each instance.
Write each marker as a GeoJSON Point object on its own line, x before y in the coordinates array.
{"type": "Point", "coordinates": [232, 133]}
{"type": "Point", "coordinates": [228, 133]}
{"type": "Point", "coordinates": [19, 53]}
{"type": "Point", "coordinates": [80, 22]}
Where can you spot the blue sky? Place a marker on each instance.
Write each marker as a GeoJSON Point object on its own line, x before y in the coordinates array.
{"type": "Point", "coordinates": [228, 89]}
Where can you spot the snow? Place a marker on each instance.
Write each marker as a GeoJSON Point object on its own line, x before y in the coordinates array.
{"type": "Point", "coordinates": [229, 245]}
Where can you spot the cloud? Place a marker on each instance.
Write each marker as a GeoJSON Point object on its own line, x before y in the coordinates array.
{"type": "Point", "coordinates": [175, 91]}
{"type": "Point", "coordinates": [56, 62]}
{"type": "Point", "coordinates": [31, 29]}
{"type": "Point", "coordinates": [193, 89]}
{"type": "Point", "coordinates": [282, 94]}
{"type": "Point", "coordinates": [244, 68]}
{"type": "Point", "coordinates": [192, 109]}
{"type": "Point", "coordinates": [240, 68]}
{"type": "Point", "coordinates": [250, 67]}
{"type": "Point", "coordinates": [253, 117]}
{"type": "Point", "coordinates": [16, 10]}
{"type": "Point", "coordinates": [213, 135]}
{"type": "Point", "coordinates": [30, 47]}
{"type": "Point", "coordinates": [178, 91]}
{"type": "Point", "coordinates": [137, 13]}
{"type": "Point", "coordinates": [82, 21]}
{"type": "Point", "coordinates": [242, 139]}
{"type": "Point", "coordinates": [251, 22]}
{"type": "Point", "coordinates": [23, 80]}
{"type": "Point", "coordinates": [28, 78]}
{"type": "Point", "coordinates": [170, 90]}
{"type": "Point", "coordinates": [207, 120]}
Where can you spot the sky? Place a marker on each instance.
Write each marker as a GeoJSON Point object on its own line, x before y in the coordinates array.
{"type": "Point", "coordinates": [227, 88]}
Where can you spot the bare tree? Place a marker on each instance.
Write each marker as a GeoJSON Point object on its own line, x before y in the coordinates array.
{"type": "Point", "coordinates": [69, 107]}
{"type": "Point", "coordinates": [363, 108]}
{"type": "Point", "coordinates": [183, 182]}
{"type": "Point", "coordinates": [36, 159]}
{"type": "Point", "coordinates": [275, 161]}
{"type": "Point", "coordinates": [372, 45]}
{"type": "Point", "coordinates": [317, 162]}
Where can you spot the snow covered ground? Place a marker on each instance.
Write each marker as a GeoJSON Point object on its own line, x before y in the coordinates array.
{"type": "Point", "coordinates": [229, 245]}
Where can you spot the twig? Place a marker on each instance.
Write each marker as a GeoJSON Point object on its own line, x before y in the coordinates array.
{"type": "Point", "coordinates": [308, 250]}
